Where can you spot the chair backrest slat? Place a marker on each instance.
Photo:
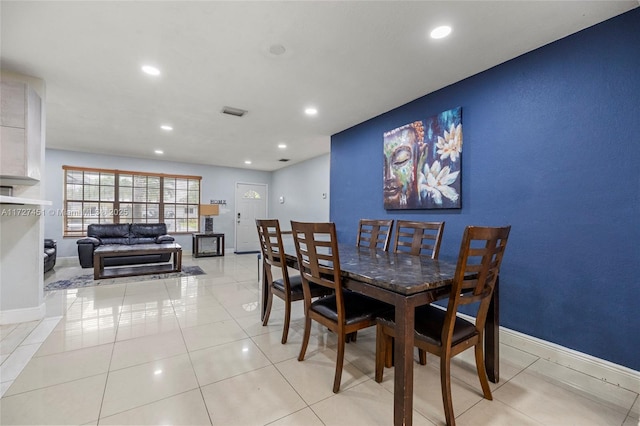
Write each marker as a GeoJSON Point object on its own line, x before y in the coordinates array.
{"type": "Point", "coordinates": [374, 233]}
{"type": "Point", "coordinates": [419, 238]}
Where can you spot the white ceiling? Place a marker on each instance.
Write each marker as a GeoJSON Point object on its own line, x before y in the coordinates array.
{"type": "Point", "coordinates": [353, 60]}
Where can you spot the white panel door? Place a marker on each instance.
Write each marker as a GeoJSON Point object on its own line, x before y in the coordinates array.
{"type": "Point", "coordinates": [251, 204]}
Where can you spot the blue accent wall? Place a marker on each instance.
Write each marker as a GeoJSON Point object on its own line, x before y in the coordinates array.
{"type": "Point", "coordinates": [552, 147]}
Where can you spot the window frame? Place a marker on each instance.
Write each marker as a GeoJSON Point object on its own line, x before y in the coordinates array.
{"type": "Point", "coordinates": [146, 204]}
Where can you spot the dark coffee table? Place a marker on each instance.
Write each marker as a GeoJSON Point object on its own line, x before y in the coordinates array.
{"type": "Point", "coordinates": [116, 250]}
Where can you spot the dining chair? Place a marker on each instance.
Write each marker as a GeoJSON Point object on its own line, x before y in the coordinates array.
{"type": "Point", "coordinates": [289, 287]}
{"type": "Point", "coordinates": [343, 312]}
{"type": "Point", "coordinates": [374, 233]}
{"type": "Point", "coordinates": [442, 332]}
{"type": "Point", "coordinates": [418, 238]}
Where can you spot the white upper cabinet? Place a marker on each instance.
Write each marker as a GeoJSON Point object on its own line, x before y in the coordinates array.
{"type": "Point", "coordinates": [20, 134]}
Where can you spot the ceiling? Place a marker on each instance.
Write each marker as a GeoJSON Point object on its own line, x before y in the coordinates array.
{"type": "Point", "coordinates": [352, 60]}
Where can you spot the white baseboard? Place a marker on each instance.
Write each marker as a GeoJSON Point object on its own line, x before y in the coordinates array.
{"type": "Point", "coordinates": [595, 367]}
{"type": "Point", "coordinates": [67, 261]}
{"type": "Point", "coordinates": [587, 364]}
{"type": "Point", "coordinates": [14, 316]}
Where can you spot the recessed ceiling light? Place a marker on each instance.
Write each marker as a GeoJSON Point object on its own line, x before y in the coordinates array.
{"type": "Point", "coordinates": [441, 32]}
{"type": "Point", "coordinates": [311, 111]}
{"type": "Point", "coordinates": [282, 145]}
{"type": "Point", "coordinates": [166, 127]}
{"type": "Point", "coordinates": [247, 161]}
{"type": "Point", "coordinates": [159, 151]}
{"type": "Point", "coordinates": [151, 70]}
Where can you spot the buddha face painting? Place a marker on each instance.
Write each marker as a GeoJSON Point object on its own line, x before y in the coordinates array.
{"type": "Point", "coordinates": [401, 151]}
{"type": "Point", "coordinates": [423, 163]}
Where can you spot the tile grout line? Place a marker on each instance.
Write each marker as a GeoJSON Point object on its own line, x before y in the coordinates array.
{"type": "Point", "coordinates": [204, 402]}
{"type": "Point", "coordinates": [630, 412]}
{"type": "Point", "coordinates": [501, 385]}
{"type": "Point", "coordinates": [113, 348]}
{"type": "Point", "coordinates": [22, 344]}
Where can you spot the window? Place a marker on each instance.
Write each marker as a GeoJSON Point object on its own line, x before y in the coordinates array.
{"type": "Point", "coordinates": [181, 201]}
{"type": "Point", "coordinates": [115, 196]}
{"type": "Point", "coordinates": [251, 194]}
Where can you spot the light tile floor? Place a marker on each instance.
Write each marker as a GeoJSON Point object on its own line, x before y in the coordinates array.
{"type": "Point", "coordinates": [193, 351]}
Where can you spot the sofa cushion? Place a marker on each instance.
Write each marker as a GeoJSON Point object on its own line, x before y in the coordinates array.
{"type": "Point", "coordinates": [109, 233]}
{"type": "Point", "coordinates": [145, 233]}
{"type": "Point", "coordinates": [106, 240]}
{"type": "Point", "coordinates": [148, 229]}
{"type": "Point", "coordinates": [108, 230]}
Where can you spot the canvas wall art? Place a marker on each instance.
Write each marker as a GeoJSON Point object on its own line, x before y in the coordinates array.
{"type": "Point", "coordinates": [423, 163]}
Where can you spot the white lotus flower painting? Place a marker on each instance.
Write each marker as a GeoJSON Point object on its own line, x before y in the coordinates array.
{"type": "Point", "coordinates": [432, 150]}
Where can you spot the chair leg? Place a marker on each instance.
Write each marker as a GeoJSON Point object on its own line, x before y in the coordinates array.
{"type": "Point", "coordinates": [422, 355]}
{"type": "Point", "coordinates": [380, 352]}
{"type": "Point", "coordinates": [482, 373]}
{"type": "Point", "coordinates": [267, 311]}
{"type": "Point", "coordinates": [305, 339]}
{"type": "Point", "coordinates": [339, 364]}
{"type": "Point", "coordinates": [445, 383]}
{"type": "Point", "coordinates": [389, 343]}
{"type": "Point", "coordinates": [287, 321]}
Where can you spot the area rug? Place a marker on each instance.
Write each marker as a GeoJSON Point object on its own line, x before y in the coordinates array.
{"type": "Point", "coordinates": [87, 280]}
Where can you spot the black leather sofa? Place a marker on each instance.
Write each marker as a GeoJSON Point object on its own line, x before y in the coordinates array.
{"type": "Point", "coordinates": [123, 233]}
{"type": "Point", "coordinates": [50, 249]}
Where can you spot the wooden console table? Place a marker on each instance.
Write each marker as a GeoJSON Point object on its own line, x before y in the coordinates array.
{"type": "Point", "coordinates": [115, 250]}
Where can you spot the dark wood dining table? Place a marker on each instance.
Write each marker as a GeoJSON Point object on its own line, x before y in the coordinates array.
{"type": "Point", "coordinates": [404, 281]}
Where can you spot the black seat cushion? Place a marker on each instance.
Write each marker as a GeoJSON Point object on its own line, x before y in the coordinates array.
{"type": "Point", "coordinates": [429, 322]}
{"type": "Point", "coordinates": [357, 307]}
{"type": "Point", "coordinates": [295, 282]}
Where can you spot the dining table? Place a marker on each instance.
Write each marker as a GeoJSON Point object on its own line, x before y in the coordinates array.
{"type": "Point", "coordinates": [404, 281]}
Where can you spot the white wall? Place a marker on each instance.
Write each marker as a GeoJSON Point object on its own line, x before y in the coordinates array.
{"type": "Point", "coordinates": [305, 188]}
{"type": "Point", "coordinates": [218, 183]}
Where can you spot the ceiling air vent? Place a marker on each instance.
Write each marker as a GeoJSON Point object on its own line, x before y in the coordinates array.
{"type": "Point", "coordinates": [233, 111]}
{"type": "Point", "coordinates": [284, 160]}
